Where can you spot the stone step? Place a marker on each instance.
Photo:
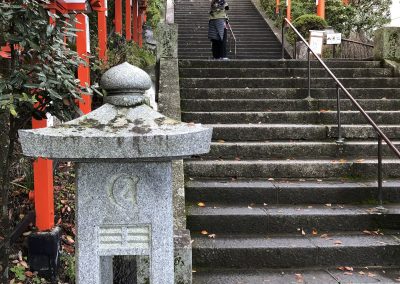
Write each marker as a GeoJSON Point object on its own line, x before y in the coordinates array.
{"type": "Point", "coordinates": [289, 191]}
{"type": "Point", "coordinates": [277, 72]}
{"type": "Point", "coordinates": [244, 251]}
{"type": "Point", "coordinates": [287, 82]}
{"type": "Point", "coordinates": [207, 52]}
{"type": "Point", "coordinates": [325, 275]}
{"type": "Point", "coordinates": [294, 168]}
{"type": "Point", "coordinates": [239, 56]}
{"type": "Point", "coordinates": [184, 46]}
{"type": "Point", "coordinates": [287, 93]}
{"type": "Point", "coordinates": [207, 48]}
{"type": "Point", "coordinates": [251, 105]}
{"type": "Point", "coordinates": [276, 63]}
{"type": "Point", "coordinates": [217, 218]}
{"type": "Point", "coordinates": [297, 149]}
{"type": "Point", "coordinates": [291, 117]}
{"type": "Point", "coordinates": [273, 132]}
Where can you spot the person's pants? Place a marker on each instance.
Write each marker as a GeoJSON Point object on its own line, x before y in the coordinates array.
{"type": "Point", "coordinates": [219, 47]}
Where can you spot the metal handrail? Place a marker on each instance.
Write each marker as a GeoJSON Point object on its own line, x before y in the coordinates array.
{"type": "Point", "coordinates": [233, 35]}
{"type": "Point", "coordinates": [339, 85]}
{"type": "Point", "coordinates": [358, 42]}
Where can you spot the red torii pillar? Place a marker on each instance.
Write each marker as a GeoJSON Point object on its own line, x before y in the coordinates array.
{"type": "Point", "coordinates": [277, 7]}
{"type": "Point", "coordinates": [118, 16]}
{"type": "Point", "coordinates": [43, 193]}
{"type": "Point", "coordinates": [289, 10]}
{"type": "Point", "coordinates": [43, 189]}
{"type": "Point", "coordinates": [135, 10]}
{"type": "Point", "coordinates": [82, 47]}
{"type": "Point", "coordinates": [321, 8]}
{"type": "Point", "coordinates": [128, 20]}
{"type": "Point", "coordinates": [102, 30]}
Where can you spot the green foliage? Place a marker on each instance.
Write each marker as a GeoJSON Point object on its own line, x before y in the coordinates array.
{"type": "Point", "coordinates": [369, 15]}
{"type": "Point", "coordinates": [120, 51]}
{"type": "Point", "coordinates": [306, 23]}
{"type": "Point", "coordinates": [68, 265]}
{"type": "Point", "coordinates": [339, 16]}
{"type": "Point", "coordinates": [361, 16]}
{"type": "Point", "coordinates": [42, 66]}
{"type": "Point", "coordinates": [19, 272]}
{"type": "Point", "coordinates": [154, 12]}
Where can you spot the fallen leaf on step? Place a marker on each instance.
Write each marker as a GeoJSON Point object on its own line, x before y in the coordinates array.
{"type": "Point", "coordinates": [360, 160]}
{"type": "Point", "coordinates": [337, 242]}
{"type": "Point", "coordinates": [342, 161]}
{"type": "Point", "coordinates": [302, 179]}
{"type": "Point", "coordinates": [204, 232]}
{"type": "Point", "coordinates": [271, 179]}
{"type": "Point", "coordinates": [345, 268]}
{"type": "Point", "coordinates": [361, 272]}
{"type": "Point", "coordinates": [314, 232]}
{"type": "Point", "coordinates": [397, 279]}
{"type": "Point", "coordinates": [302, 232]}
{"type": "Point", "coordinates": [221, 141]}
{"type": "Point", "coordinates": [348, 273]}
{"type": "Point", "coordinates": [194, 271]}
{"type": "Point", "coordinates": [328, 204]}
{"type": "Point", "coordinates": [324, 236]}
{"type": "Point", "coordinates": [370, 274]}
{"type": "Point", "coordinates": [212, 236]}
{"type": "Point", "coordinates": [29, 274]}
{"type": "Point", "coordinates": [319, 180]}
{"type": "Point", "coordinates": [367, 232]}
{"type": "Point", "coordinates": [237, 158]}
{"type": "Point", "coordinates": [190, 124]}
{"type": "Point", "coordinates": [201, 204]}
{"type": "Point", "coordinates": [323, 110]}
{"type": "Point", "coordinates": [24, 264]}
{"type": "Point", "coordinates": [265, 204]}
{"type": "Point", "coordinates": [309, 207]}
{"type": "Point", "coordinates": [299, 278]}
{"type": "Point", "coordinates": [249, 207]}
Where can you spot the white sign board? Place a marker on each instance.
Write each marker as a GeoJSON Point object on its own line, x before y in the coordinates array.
{"type": "Point", "coordinates": [334, 38]}
{"type": "Point", "coordinates": [316, 41]}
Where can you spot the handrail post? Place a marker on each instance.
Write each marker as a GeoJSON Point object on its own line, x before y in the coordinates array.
{"type": "Point", "coordinates": [295, 48]}
{"type": "Point", "coordinates": [283, 39]}
{"type": "Point", "coordinates": [340, 140]}
{"type": "Point", "coordinates": [380, 189]}
{"type": "Point", "coordinates": [309, 73]}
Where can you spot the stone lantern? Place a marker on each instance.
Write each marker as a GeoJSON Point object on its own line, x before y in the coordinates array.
{"type": "Point", "coordinates": [123, 153]}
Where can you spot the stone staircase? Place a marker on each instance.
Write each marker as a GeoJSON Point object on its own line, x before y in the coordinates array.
{"type": "Point", "coordinates": [254, 37]}
{"type": "Point", "coordinates": [277, 200]}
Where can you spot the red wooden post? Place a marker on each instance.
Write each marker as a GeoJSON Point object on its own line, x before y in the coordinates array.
{"type": "Point", "coordinates": [135, 20]}
{"type": "Point", "coordinates": [118, 16]}
{"type": "Point", "coordinates": [288, 9]}
{"type": "Point", "coordinates": [43, 190]}
{"type": "Point", "coordinates": [82, 47]}
{"type": "Point", "coordinates": [102, 30]}
{"type": "Point", "coordinates": [321, 8]}
{"type": "Point", "coordinates": [128, 20]}
{"type": "Point", "coordinates": [277, 8]}
{"type": "Point", "coordinates": [43, 187]}
{"type": "Point", "coordinates": [140, 29]}
{"type": "Point", "coordinates": [346, 2]}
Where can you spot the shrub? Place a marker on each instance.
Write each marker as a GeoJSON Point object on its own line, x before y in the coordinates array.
{"type": "Point", "coordinates": [304, 24]}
